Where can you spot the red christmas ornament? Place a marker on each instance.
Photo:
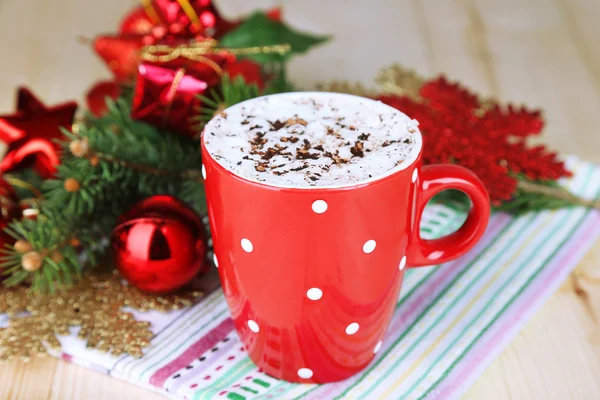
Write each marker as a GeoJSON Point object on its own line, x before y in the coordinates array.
{"type": "Point", "coordinates": [158, 22]}
{"type": "Point", "coordinates": [160, 245]}
{"type": "Point", "coordinates": [490, 141]}
{"type": "Point", "coordinates": [136, 22]}
{"type": "Point", "coordinates": [30, 131]}
{"type": "Point", "coordinates": [9, 209]}
{"type": "Point", "coordinates": [97, 95]}
{"type": "Point", "coordinates": [190, 18]}
{"type": "Point", "coordinates": [122, 53]}
{"type": "Point", "coordinates": [166, 95]}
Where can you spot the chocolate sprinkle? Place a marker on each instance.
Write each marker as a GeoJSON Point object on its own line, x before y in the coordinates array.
{"type": "Point", "coordinates": [336, 157]}
{"type": "Point", "coordinates": [270, 153]}
{"type": "Point", "coordinates": [389, 143]}
{"type": "Point", "coordinates": [357, 149]}
{"type": "Point", "coordinates": [302, 154]}
{"type": "Point", "coordinates": [299, 168]}
{"type": "Point", "coordinates": [296, 121]}
{"type": "Point", "coordinates": [277, 125]}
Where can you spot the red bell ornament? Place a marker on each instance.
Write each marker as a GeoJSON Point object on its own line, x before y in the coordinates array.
{"type": "Point", "coordinates": [160, 245]}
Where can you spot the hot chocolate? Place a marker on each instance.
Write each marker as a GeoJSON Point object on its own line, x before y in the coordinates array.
{"type": "Point", "coordinates": [312, 139]}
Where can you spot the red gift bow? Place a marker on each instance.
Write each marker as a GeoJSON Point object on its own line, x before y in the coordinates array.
{"type": "Point", "coordinates": [171, 78]}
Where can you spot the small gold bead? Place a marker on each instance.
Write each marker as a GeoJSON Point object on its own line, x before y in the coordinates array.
{"type": "Point", "coordinates": [23, 246]}
{"type": "Point", "coordinates": [72, 185]}
{"type": "Point", "coordinates": [79, 147]}
{"type": "Point", "coordinates": [32, 261]}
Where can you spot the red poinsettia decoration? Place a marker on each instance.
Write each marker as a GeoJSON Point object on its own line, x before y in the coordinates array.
{"type": "Point", "coordinates": [489, 140]}
{"type": "Point", "coordinates": [30, 133]}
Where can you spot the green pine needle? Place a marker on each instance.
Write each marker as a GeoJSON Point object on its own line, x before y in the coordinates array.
{"type": "Point", "coordinates": [135, 161]}
{"type": "Point", "coordinates": [229, 92]}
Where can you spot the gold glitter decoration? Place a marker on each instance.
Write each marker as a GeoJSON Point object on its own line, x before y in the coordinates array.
{"type": "Point", "coordinates": [355, 88]}
{"type": "Point", "coordinates": [399, 81]}
{"type": "Point", "coordinates": [94, 304]}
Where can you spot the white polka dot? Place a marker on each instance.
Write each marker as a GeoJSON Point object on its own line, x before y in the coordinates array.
{"type": "Point", "coordinates": [215, 260]}
{"type": "Point", "coordinates": [305, 373]}
{"type": "Point", "coordinates": [377, 347]}
{"type": "Point", "coordinates": [203, 172]}
{"type": "Point", "coordinates": [415, 175]}
{"type": "Point", "coordinates": [319, 206]}
{"type": "Point", "coordinates": [402, 263]}
{"type": "Point", "coordinates": [314, 293]}
{"type": "Point", "coordinates": [352, 328]}
{"type": "Point", "coordinates": [369, 246]}
{"type": "Point", "coordinates": [247, 245]}
{"type": "Point", "coordinates": [253, 326]}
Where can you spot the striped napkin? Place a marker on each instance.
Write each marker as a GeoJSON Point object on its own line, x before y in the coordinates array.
{"type": "Point", "coordinates": [449, 324]}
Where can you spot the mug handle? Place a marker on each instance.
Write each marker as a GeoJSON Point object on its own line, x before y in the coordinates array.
{"type": "Point", "coordinates": [432, 180]}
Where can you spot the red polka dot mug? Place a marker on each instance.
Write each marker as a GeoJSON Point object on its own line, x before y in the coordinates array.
{"type": "Point", "coordinates": [312, 274]}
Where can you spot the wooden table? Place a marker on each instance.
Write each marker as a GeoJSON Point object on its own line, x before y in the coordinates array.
{"type": "Point", "coordinates": [545, 53]}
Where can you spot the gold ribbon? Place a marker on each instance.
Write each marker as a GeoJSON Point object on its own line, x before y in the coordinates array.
{"type": "Point", "coordinates": [191, 13]}
{"type": "Point", "coordinates": [161, 53]}
{"type": "Point", "coordinates": [150, 11]}
{"type": "Point", "coordinates": [186, 6]}
{"type": "Point", "coordinates": [198, 51]}
{"type": "Point", "coordinates": [171, 94]}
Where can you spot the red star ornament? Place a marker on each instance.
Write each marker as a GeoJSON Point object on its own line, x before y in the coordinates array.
{"type": "Point", "coordinates": [30, 131]}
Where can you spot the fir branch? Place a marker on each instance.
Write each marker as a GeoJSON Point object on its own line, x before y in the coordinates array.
{"type": "Point", "coordinates": [530, 196]}
{"type": "Point", "coordinates": [190, 174]}
{"type": "Point", "coordinates": [235, 90]}
{"type": "Point", "coordinates": [46, 253]}
{"type": "Point", "coordinates": [549, 195]}
{"type": "Point", "coordinates": [229, 92]}
{"type": "Point", "coordinates": [116, 160]}
{"type": "Point", "coordinates": [559, 193]}
{"type": "Point", "coordinates": [107, 165]}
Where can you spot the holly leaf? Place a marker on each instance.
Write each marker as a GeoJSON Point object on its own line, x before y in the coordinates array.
{"type": "Point", "coordinates": [259, 30]}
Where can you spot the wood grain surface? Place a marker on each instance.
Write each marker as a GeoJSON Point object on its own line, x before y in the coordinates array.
{"type": "Point", "coordinates": [545, 53]}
